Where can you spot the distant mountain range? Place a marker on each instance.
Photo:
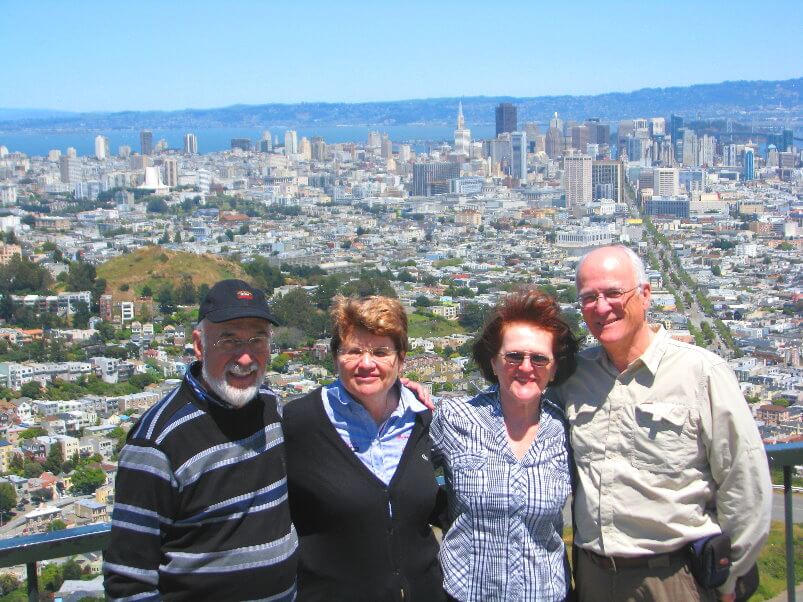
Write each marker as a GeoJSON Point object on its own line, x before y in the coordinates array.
{"type": "Point", "coordinates": [742, 100]}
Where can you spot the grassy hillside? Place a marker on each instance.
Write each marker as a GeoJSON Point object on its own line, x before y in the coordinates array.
{"type": "Point", "coordinates": [153, 266]}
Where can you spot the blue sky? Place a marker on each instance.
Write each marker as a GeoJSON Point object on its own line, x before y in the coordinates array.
{"type": "Point", "coordinates": [147, 54]}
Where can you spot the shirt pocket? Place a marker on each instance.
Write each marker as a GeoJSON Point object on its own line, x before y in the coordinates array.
{"type": "Point", "coordinates": [469, 478]}
{"type": "Point", "coordinates": [587, 444]}
{"type": "Point", "coordinates": [663, 437]}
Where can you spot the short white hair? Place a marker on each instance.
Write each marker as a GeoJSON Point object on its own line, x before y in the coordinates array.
{"type": "Point", "coordinates": [639, 271]}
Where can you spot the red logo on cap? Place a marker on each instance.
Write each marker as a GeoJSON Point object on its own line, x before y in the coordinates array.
{"type": "Point", "coordinates": [245, 295]}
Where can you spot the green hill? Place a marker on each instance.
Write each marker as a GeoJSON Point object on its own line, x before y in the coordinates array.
{"type": "Point", "coordinates": [153, 266]}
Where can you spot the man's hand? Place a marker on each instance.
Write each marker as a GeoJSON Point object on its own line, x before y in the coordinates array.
{"type": "Point", "coordinates": [727, 597]}
{"type": "Point", "coordinates": [420, 392]}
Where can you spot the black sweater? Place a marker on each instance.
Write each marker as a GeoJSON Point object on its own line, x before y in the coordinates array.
{"type": "Point", "coordinates": [351, 549]}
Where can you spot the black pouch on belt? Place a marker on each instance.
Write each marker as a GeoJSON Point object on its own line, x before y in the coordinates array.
{"type": "Point", "coordinates": [710, 560]}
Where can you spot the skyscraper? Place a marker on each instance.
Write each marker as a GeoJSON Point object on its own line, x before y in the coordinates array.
{"type": "Point", "coordinates": [432, 178]}
{"type": "Point", "coordinates": [665, 182]}
{"type": "Point", "coordinates": [290, 142]}
{"type": "Point", "coordinates": [190, 144]}
{"type": "Point", "coordinates": [170, 166]}
{"type": "Point", "coordinates": [518, 167]}
{"type": "Point", "coordinates": [146, 142]}
{"type": "Point", "coordinates": [553, 144]}
{"type": "Point", "coordinates": [506, 119]}
{"type": "Point", "coordinates": [462, 135]}
{"type": "Point", "coordinates": [607, 179]}
{"type": "Point", "coordinates": [101, 148]}
{"type": "Point", "coordinates": [749, 169]}
{"type": "Point", "coordinates": [577, 180]}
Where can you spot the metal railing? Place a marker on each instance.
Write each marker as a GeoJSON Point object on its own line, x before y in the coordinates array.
{"type": "Point", "coordinates": [69, 542]}
{"type": "Point", "coordinates": [787, 455]}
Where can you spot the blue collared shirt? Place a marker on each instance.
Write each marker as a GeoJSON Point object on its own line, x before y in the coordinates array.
{"type": "Point", "coordinates": [505, 542]}
{"type": "Point", "coordinates": [379, 447]}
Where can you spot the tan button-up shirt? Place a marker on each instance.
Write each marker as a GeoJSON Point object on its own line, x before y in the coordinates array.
{"type": "Point", "coordinates": [667, 452]}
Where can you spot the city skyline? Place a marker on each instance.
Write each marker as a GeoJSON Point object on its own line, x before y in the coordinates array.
{"type": "Point", "coordinates": [92, 57]}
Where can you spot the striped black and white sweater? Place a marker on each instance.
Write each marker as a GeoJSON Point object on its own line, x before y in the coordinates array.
{"type": "Point", "coordinates": [201, 508]}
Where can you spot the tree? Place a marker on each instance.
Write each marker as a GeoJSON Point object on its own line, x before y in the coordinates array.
{"type": "Point", "coordinates": [32, 470]}
{"type": "Point", "coordinates": [263, 275]}
{"type": "Point", "coordinates": [186, 294]}
{"type": "Point", "coordinates": [71, 570]}
{"type": "Point", "coordinates": [80, 318]}
{"type": "Point", "coordinates": [295, 309]}
{"type": "Point", "coordinates": [56, 525]}
{"type": "Point", "coordinates": [50, 578]}
{"type": "Point", "coordinates": [30, 433]}
{"type": "Point", "coordinates": [8, 583]}
{"type": "Point", "coordinates": [55, 459]}
{"type": "Point", "coordinates": [81, 276]}
{"type": "Point", "coordinates": [473, 316]}
{"type": "Point", "coordinates": [86, 479]}
{"type": "Point", "coordinates": [279, 363]}
{"type": "Point", "coordinates": [8, 497]}
{"type": "Point", "coordinates": [164, 297]}
{"type": "Point", "coordinates": [157, 205]}
{"type": "Point", "coordinates": [31, 389]}
{"type": "Point", "coordinates": [716, 270]}
{"type": "Point", "coordinates": [422, 301]}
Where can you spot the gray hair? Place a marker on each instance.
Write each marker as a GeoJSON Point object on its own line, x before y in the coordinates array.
{"type": "Point", "coordinates": [639, 271]}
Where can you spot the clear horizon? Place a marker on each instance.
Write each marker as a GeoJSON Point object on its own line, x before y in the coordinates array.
{"type": "Point", "coordinates": [456, 98]}
{"type": "Point", "coordinates": [98, 57]}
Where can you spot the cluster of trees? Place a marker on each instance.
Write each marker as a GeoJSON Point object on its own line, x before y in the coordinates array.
{"type": "Point", "coordinates": [87, 385]}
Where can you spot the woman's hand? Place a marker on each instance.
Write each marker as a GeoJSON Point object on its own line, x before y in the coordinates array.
{"type": "Point", "coordinates": [420, 391]}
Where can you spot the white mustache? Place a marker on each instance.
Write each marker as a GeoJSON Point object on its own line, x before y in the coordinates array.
{"type": "Point", "coordinates": [239, 370]}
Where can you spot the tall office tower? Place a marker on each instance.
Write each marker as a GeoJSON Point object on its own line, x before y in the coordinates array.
{"type": "Point", "coordinates": [577, 180]}
{"type": "Point", "coordinates": [170, 167]}
{"type": "Point", "coordinates": [69, 169]}
{"type": "Point", "coordinates": [553, 143]}
{"type": "Point", "coordinates": [146, 142]}
{"type": "Point", "coordinates": [657, 126]}
{"type": "Point", "coordinates": [318, 148]}
{"type": "Point", "coordinates": [707, 147]}
{"type": "Point", "coordinates": [404, 153]}
{"type": "Point", "coordinates": [607, 180]}
{"type": "Point", "coordinates": [433, 178]}
{"type": "Point", "coordinates": [729, 157]}
{"type": "Point", "coordinates": [241, 143]}
{"type": "Point", "coordinates": [290, 142]}
{"type": "Point", "coordinates": [53, 155]}
{"type": "Point", "coordinates": [374, 140]}
{"type": "Point", "coordinates": [139, 162]}
{"type": "Point", "coordinates": [71, 152]}
{"type": "Point", "coordinates": [748, 171]}
{"type": "Point", "coordinates": [533, 132]}
{"type": "Point", "coordinates": [101, 148]}
{"type": "Point", "coordinates": [690, 148]}
{"type": "Point", "coordinates": [305, 148]}
{"type": "Point", "coordinates": [665, 181]}
{"type": "Point", "coordinates": [506, 119]}
{"type": "Point", "coordinates": [788, 140]}
{"type": "Point", "coordinates": [124, 151]}
{"type": "Point", "coordinates": [500, 151]}
{"type": "Point", "coordinates": [675, 125]}
{"type": "Point", "coordinates": [462, 135]}
{"type": "Point", "coordinates": [386, 147]}
{"type": "Point", "coordinates": [190, 144]}
{"type": "Point", "coordinates": [580, 137]}
{"type": "Point", "coordinates": [556, 122]}
{"type": "Point", "coordinates": [518, 147]}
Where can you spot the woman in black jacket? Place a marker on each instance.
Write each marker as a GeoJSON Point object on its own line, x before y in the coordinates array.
{"type": "Point", "coordinates": [361, 483]}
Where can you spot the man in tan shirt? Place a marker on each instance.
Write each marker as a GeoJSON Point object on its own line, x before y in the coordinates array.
{"type": "Point", "coordinates": [666, 449]}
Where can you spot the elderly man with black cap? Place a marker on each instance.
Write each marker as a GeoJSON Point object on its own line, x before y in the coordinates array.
{"type": "Point", "coordinates": [201, 496]}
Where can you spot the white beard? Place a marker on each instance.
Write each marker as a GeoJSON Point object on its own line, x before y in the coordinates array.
{"type": "Point", "coordinates": [233, 395]}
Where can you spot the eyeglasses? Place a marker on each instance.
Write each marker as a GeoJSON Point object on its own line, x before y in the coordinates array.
{"type": "Point", "coordinates": [514, 359]}
{"type": "Point", "coordinates": [229, 344]}
{"type": "Point", "coordinates": [614, 296]}
{"type": "Point", "coordinates": [383, 355]}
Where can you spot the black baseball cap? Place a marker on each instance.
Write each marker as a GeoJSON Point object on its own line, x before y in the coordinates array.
{"type": "Point", "coordinates": [232, 299]}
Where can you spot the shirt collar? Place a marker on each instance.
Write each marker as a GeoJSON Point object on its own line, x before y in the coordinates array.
{"type": "Point", "coordinates": [653, 354]}
{"type": "Point", "coordinates": [192, 378]}
{"type": "Point", "coordinates": [339, 394]}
